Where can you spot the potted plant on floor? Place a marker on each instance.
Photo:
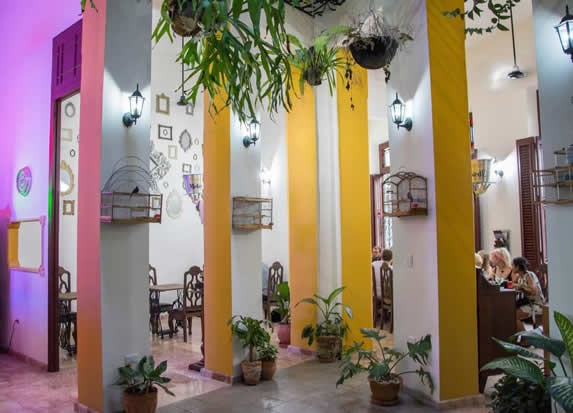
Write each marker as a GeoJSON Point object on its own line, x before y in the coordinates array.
{"type": "Point", "coordinates": [282, 299]}
{"type": "Point", "coordinates": [332, 328]}
{"type": "Point", "coordinates": [374, 42]}
{"type": "Point", "coordinates": [268, 354]}
{"type": "Point", "coordinates": [141, 383]}
{"type": "Point", "coordinates": [252, 335]}
{"type": "Point", "coordinates": [385, 381]}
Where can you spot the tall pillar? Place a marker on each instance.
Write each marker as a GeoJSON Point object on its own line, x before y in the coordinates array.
{"type": "Point", "coordinates": [434, 278]}
{"type": "Point", "coordinates": [302, 190]}
{"type": "Point", "coordinates": [113, 296]}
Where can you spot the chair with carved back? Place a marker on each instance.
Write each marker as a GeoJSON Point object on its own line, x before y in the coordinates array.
{"type": "Point", "coordinates": [192, 302]}
{"type": "Point", "coordinates": [66, 317]}
{"type": "Point", "coordinates": [376, 294]}
{"type": "Point", "coordinates": [156, 308]}
{"type": "Point", "coordinates": [275, 277]}
{"type": "Point", "coordinates": [387, 280]}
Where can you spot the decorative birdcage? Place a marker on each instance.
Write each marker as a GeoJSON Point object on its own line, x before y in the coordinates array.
{"type": "Point", "coordinates": [252, 213]}
{"type": "Point", "coordinates": [555, 185]}
{"type": "Point", "coordinates": [405, 194]}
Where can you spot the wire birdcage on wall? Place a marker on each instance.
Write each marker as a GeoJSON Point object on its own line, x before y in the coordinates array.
{"type": "Point", "coordinates": [405, 194]}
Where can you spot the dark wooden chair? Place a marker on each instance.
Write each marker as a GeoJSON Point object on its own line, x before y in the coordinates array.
{"type": "Point", "coordinates": [156, 308]}
{"type": "Point", "coordinates": [67, 318]}
{"type": "Point", "coordinates": [387, 280]}
{"type": "Point", "coordinates": [376, 297]}
{"type": "Point", "coordinates": [192, 302]}
{"type": "Point", "coordinates": [275, 277]}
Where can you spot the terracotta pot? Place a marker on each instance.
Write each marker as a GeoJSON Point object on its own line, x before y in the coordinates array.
{"type": "Point", "coordinates": [328, 348]}
{"type": "Point", "coordinates": [374, 52]}
{"type": "Point", "coordinates": [184, 22]}
{"type": "Point", "coordinates": [251, 372]}
{"type": "Point", "coordinates": [385, 393]}
{"type": "Point", "coordinates": [283, 332]}
{"type": "Point", "coordinates": [269, 367]}
{"type": "Point", "coordinates": [140, 403]}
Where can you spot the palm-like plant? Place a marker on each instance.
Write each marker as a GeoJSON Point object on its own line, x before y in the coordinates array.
{"type": "Point", "coordinates": [282, 297]}
{"type": "Point", "coordinates": [525, 364]}
{"type": "Point", "coordinates": [144, 377]}
{"type": "Point", "coordinates": [332, 323]}
{"type": "Point", "coordinates": [381, 363]}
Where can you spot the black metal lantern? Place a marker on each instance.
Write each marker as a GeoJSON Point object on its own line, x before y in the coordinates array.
{"type": "Point", "coordinates": [254, 133]}
{"type": "Point", "coordinates": [565, 32]}
{"type": "Point", "coordinates": [398, 113]}
{"type": "Point", "coordinates": [135, 108]}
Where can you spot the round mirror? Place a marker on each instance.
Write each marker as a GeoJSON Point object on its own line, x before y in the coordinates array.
{"type": "Point", "coordinates": [66, 179]}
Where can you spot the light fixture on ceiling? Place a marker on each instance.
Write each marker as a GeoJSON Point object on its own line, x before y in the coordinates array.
{"type": "Point", "coordinates": [398, 113]}
{"type": "Point", "coordinates": [565, 33]}
{"type": "Point", "coordinates": [481, 174]}
{"type": "Point", "coordinates": [516, 73]}
{"type": "Point", "coordinates": [136, 101]}
{"type": "Point", "coordinates": [254, 134]}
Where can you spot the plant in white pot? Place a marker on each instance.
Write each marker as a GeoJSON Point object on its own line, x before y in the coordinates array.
{"type": "Point", "coordinates": [141, 383]}
{"type": "Point", "coordinates": [380, 364]}
{"type": "Point", "coordinates": [282, 298]}
{"type": "Point", "coordinates": [252, 335]}
{"type": "Point", "coordinates": [332, 328]}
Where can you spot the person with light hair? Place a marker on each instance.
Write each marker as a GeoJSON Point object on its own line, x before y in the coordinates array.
{"type": "Point", "coordinates": [500, 261]}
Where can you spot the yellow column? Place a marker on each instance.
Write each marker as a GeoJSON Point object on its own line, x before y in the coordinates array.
{"type": "Point", "coordinates": [217, 230]}
{"type": "Point", "coordinates": [355, 199]}
{"type": "Point", "coordinates": [302, 190]}
{"type": "Point", "coordinates": [454, 216]}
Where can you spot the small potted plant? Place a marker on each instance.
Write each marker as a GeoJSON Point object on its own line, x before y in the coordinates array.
{"type": "Point", "coordinates": [268, 354]}
{"type": "Point", "coordinates": [373, 42]}
{"type": "Point", "coordinates": [252, 335]}
{"type": "Point", "coordinates": [331, 330]}
{"type": "Point", "coordinates": [282, 299]}
{"type": "Point", "coordinates": [385, 381]}
{"type": "Point", "coordinates": [140, 394]}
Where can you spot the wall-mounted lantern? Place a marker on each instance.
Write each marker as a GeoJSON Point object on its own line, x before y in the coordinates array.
{"type": "Point", "coordinates": [398, 113]}
{"type": "Point", "coordinates": [254, 133]}
{"type": "Point", "coordinates": [135, 108]}
{"type": "Point", "coordinates": [565, 33]}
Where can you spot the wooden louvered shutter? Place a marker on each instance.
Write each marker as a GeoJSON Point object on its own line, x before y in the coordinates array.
{"type": "Point", "coordinates": [67, 61]}
{"type": "Point", "coordinates": [528, 160]}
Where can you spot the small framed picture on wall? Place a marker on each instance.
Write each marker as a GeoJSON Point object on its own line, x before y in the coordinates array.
{"type": "Point", "coordinates": [165, 132]}
{"type": "Point", "coordinates": [187, 168]}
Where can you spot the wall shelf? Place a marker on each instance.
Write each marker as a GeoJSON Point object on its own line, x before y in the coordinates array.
{"type": "Point", "coordinates": [556, 184]}
{"type": "Point", "coordinates": [405, 195]}
{"type": "Point", "coordinates": [128, 208]}
{"type": "Point", "coordinates": [252, 213]}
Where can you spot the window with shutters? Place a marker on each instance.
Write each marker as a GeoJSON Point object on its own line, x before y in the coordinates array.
{"type": "Point", "coordinates": [67, 60]}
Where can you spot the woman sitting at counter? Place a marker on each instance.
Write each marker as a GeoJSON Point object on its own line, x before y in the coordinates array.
{"type": "Point", "coordinates": [500, 266]}
{"type": "Point", "coordinates": [530, 300]}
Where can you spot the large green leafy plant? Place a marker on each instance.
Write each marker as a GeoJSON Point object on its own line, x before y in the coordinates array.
{"type": "Point", "coordinates": [381, 362]}
{"type": "Point", "coordinates": [332, 322]}
{"type": "Point", "coordinates": [498, 9]}
{"type": "Point", "coordinates": [250, 332]}
{"type": "Point", "coordinates": [512, 394]}
{"type": "Point", "coordinates": [282, 297]}
{"type": "Point", "coordinates": [144, 377]}
{"type": "Point", "coordinates": [527, 365]}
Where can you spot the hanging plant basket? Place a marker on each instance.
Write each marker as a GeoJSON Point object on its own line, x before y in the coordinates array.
{"type": "Point", "coordinates": [313, 76]}
{"type": "Point", "coordinates": [185, 21]}
{"type": "Point", "coordinates": [374, 52]}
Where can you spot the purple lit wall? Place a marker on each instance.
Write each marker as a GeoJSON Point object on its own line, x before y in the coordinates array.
{"type": "Point", "coordinates": [27, 29]}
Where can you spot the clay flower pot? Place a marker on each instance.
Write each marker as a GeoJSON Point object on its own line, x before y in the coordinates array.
{"type": "Point", "coordinates": [251, 372]}
{"type": "Point", "coordinates": [385, 393]}
{"type": "Point", "coordinates": [283, 333]}
{"type": "Point", "coordinates": [140, 403]}
{"type": "Point", "coordinates": [374, 52]}
{"type": "Point", "coordinates": [328, 348]}
{"type": "Point", "coordinates": [269, 367]}
{"type": "Point", "coordinates": [185, 22]}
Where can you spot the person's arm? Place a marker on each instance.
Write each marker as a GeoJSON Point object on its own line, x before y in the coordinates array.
{"type": "Point", "coordinates": [529, 288]}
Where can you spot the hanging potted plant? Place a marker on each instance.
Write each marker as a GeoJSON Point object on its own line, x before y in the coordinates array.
{"type": "Point", "coordinates": [282, 298]}
{"type": "Point", "coordinates": [140, 394]}
{"type": "Point", "coordinates": [252, 335]}
{"type": "Point", "coordinates": [331, 330]}
{"type": "Point", "coordinates": [185, 16]}
{"type": "Point", "coordinates": [268, 354]}
{"type": "Point", "coordinates": [373, 42]}
{"type": "Point", "coordinates": [380, 364]}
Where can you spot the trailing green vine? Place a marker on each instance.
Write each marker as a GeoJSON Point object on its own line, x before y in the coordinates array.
{"type": "Point", "coordinates": [500, 10]}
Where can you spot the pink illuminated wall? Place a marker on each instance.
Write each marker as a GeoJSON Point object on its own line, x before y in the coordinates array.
{"type": "Point", "coordinates": [27, 29]}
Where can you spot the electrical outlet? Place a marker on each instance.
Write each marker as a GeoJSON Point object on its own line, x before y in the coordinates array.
{"type": "Point", "coordinates": [131, 359]}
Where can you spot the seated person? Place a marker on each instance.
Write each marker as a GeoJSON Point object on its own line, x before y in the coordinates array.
{"type": "Point", "coordinates": [482, 263]}
{"type": "Point", "coordinates": [376, 253]}
{"type": "Point", "coordinates": [387, 257]}
{"type": "Point", "coordinates": [530, 298]}
{"type": "Point", "coordinates": [501, 268]}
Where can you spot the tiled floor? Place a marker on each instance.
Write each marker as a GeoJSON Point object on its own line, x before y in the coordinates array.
{"type": "Point", "coordinates": [308, 387]}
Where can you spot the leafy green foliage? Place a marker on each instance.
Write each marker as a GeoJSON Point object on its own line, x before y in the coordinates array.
{"type": "Point", "coordinates": [144, 377]}
{"type": "Point", "coordinates": [512, 394]}
{"type": "Point", "coordinates": [560, 387]}
{"type": "Point", "coordinates": [282, 298]}
{"type": "Point", "coordinates": [332, 322]}
{"type": "Point", "coordinates": [250, 332]}
{"type": "Point", "coordinates": [500, 10]}
{"type": "Point", "coordinates": [381, 364]}
{"type": "Point", "coordinates": [268, 352]}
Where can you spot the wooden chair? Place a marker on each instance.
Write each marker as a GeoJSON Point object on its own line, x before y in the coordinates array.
{"type": "Point", "coordinates": [386, 276]}
{"type": "Point", "coordinates": [192, 302]}
{"type": "Point", "coordinates": [66, 317]}
{"type": "Point", "coordinates": [376, 297]}
{"type": "Point", "coordinates": [156, 308]}
{"type": "Point", "coordinates": [275, 277]}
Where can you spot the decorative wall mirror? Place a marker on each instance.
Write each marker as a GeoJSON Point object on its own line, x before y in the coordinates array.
{"type": "Point", "coordinates": [66, 179]}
